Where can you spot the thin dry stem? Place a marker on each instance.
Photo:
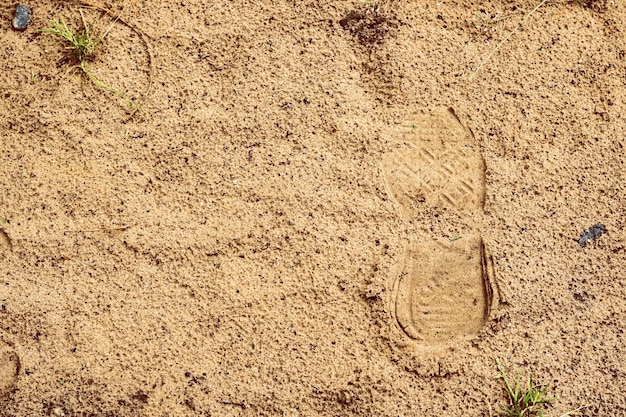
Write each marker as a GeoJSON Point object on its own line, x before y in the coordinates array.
{"type": "Point", "coordinates": [519, 25]}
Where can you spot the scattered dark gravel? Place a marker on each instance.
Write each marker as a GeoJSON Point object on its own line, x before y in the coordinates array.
{"type": "Point", "coordinates": [22, 17]}
{"type": "Point", "coordinates": [594, 232]}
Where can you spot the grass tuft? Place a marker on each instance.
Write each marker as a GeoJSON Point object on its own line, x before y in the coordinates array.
{"type": "Point", "coordinates": [82, 46]}
{"type": "Point", "coordinates": [525, 401]}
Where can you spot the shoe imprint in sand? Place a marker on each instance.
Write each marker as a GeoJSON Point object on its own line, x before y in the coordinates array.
{"type": "Point", "coordinates": [444, 292]}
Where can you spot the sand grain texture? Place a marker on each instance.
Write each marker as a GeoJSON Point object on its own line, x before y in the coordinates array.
{"type": "Point", "coordinates": [246, 245]}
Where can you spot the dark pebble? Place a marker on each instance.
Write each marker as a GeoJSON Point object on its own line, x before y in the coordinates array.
{"type": "Point", "coordinates": [594, 232]}
{"type": "Point", "coordinates": [22, 17]}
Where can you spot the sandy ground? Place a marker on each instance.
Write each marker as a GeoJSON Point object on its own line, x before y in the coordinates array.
{"type": "Point", "coordinates": [322, 209]}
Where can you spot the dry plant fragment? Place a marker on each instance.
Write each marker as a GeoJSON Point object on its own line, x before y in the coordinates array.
{"type": "Point", "coordinates": [519, 25]}
{"type": "Point", "coordinates": [118, 17]}
{"type": "Point", "coordinates": [485, 21]}
{"type": "Point", "coordinates": [371, 6]}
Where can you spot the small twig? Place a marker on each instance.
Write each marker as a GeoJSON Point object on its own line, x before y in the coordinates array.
{"type": "Point", "coordinates": [112, 14]}
{"type": "Point", "coordinates": [142, 36]}
{"type": "Point", "coordinates": [571, 413]}
{"type": "Point", "coordinates": [228, 402]}
{"type": "Point", "coordinates": [101, 229]}
{"type": "Point", "coordinates": [519, 25]}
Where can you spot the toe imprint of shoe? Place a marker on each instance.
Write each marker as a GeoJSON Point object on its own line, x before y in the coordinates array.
{"type": "Point", "coordinates": [439, 165]}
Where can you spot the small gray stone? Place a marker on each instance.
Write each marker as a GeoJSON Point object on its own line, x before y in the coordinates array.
{"type": "Point", "coordinates": [22, 17]}
{"type": "Point", "coordinates": [594, 232]}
